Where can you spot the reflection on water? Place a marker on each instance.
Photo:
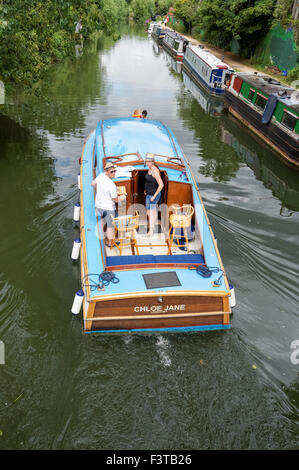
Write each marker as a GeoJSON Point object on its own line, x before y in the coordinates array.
{"type": "Point", "coordinates": [172, 63]}
{"type": "Point", "coordinates": [211, 104]}
{"type": "Point", "coordinates": [156, 48]}
{"type": "Point", "coordinates": [72, 391]}
{"type": "Point", "coordinates": [280, 178]}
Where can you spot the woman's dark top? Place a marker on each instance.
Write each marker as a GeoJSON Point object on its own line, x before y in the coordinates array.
{"type": "Point", "coordinates": [151, 184]}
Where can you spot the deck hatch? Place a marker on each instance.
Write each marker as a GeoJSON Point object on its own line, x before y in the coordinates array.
{"type": "Point", "coordinates": [156, 280]}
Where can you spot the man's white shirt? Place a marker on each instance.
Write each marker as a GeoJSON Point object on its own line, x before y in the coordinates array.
{"type": "Point", "coordinates": [106, 192]}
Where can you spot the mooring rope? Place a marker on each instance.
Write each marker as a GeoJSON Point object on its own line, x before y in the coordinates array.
{"type": "Point", "coordinates": [207, 271]}
{"type": "Point", "coordinates": [104, 279]}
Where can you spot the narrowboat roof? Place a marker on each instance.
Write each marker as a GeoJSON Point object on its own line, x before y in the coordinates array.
{"type": "Point", "coordinates": [175, 35]}
{"type": "Point", "coordinates": [209, 58]}
{"type": "Point", "coordinates": [270, 86]}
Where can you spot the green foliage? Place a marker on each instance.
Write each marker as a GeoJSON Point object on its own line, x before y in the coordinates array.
{"type": "Point", "coordinates": [244, 20]}
{"type": "Point", "coordinates": [186, 10]}
{"type": "Point", "coordinates": [35, 34]}
{"type": "Point", "coordinates": [142, 9]}
{"type": "Point", "coordinates": [162, 6]}
{"type": "Point", "coordinates": [293, 74]}
{"type": "Point", "coordinates": [283, 9]}
{"type": "Point", "coordinates": [110, 13]}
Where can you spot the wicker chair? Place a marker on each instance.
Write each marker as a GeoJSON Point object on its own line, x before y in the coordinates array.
{"type": "Point", "coordinates": [180, 221]}
{"type": "Point", "coordinates": [125, 231]}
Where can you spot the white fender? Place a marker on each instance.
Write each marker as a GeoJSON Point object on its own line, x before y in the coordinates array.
{"type": "Point", "coordinates": [232, 299]}
{"type": "Point", "coordinates": [76, 307]}
{"type": "Point", "coordinates": [76, 216]}
{"type": "Point", "coordinates": [76, 249]}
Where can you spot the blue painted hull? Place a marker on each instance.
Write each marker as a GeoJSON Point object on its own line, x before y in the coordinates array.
{"type": "Point", "coordinates": [190, 329]}
{"type": "Point", "coordinates": [195, 302]}
{"type": "Point", "coordinates": [199, 80]}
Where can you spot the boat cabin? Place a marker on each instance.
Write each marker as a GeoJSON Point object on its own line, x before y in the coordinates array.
{"type": "Point", "coordinates": [150, 28]}
{"type": "Point", "coordinates": [269, 108]}
{"type": "Point", "coordinates": [175, 44]}
{"type": "Point", "coordinates": [179, 212]}
{"type": "Point", "coordinates": [158, 32]}
{"type": "Point", "coordinates": [256, 89]}
{"type": "Point", "coordinates": [206, 69]}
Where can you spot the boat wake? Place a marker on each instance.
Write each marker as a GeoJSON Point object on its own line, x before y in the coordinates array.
{"type": "Point", "coordinates": [163, 348]}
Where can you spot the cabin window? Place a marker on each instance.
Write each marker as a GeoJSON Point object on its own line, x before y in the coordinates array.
{"type": "Point", "coordinates": [289, 120]}
{"type": "Point", "coordinates": [251, 94]}
{"type": "Point", "coordinates": [260, 101]}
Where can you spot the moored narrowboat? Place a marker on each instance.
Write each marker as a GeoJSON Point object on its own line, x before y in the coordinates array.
{"type": "Point", "coordinates": [170, 280]}
{"type": "Point", "coordinates": [269, 108]}
{"type": "Point", "coordinates": [175, 44]}
{"type": "Point", "coordinates": [205, 69]}
{"type": "Point", "coordinates": [158, 32]}
{"type": "Point", "coordinates": [150, 27]}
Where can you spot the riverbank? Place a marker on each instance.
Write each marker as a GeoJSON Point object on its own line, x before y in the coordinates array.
{"type": "Point", "coordinates": [231, 59]}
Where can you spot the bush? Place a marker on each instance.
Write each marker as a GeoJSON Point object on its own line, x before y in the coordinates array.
{"type": "Point", "coordinates": [293, 74]}
{"type": "Point", "coordinates": [35, 34]}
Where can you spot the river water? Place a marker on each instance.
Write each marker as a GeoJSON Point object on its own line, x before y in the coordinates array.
{"type": "Point", "coordinates": [62, 389]}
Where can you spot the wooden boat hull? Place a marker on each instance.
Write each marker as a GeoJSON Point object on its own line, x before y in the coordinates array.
{"type": "Point", "coordinates": [270, 133]}
{"type": "Point", "coordinates": [191, 311]}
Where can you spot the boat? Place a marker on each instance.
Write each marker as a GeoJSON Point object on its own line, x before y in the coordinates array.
{"type": "Point", "coordinates": [175, 44]}
{"type": "Point", "coordinates": [158, 32]}
{"type": "Point", "coordinates": [211, 104]}
{"type": "Point", "coordinates": [150, 27]}
{"type": "Point", "coordinates": [205, 69]}
{"type": "Point", "coordinates": [269, 108]}
{"type": "Point", "coordinates": [172, 281]}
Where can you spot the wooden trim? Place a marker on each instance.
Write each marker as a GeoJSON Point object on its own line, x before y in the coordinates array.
{"type": "Point", "coordinates": [154, 293]}
{"type": "Point", "coordinates": [157, 323]}
{"type": "Point", "coordinates": [142, 317]}
{"type": "Point", "coordinates": [130, 267]}
{"type": "Point", "coordinates": [82, 231]}
{"type": "Point", "coordinates": [120, 162]}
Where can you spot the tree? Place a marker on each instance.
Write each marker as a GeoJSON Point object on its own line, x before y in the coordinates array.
{"type": "Point", "coordinates": [283, 9]}
{"type": "Point", "coordinates": [142, 9]}
{"type": "Point", "coordinates": [34, 34]}
{"type": "Point", "coordinates": [162, 6]}
{"type": "Point", "coordinates": [186, 10]}
{"type": "Point", "coordinates": [245, 20]}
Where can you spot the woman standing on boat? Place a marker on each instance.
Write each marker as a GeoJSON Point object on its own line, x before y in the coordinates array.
{"type": "Point", "coordinates": [152, 191]}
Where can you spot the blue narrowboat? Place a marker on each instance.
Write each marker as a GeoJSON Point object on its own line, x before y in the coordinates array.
{"type": "Point", "coordinates": [205, 69]}
{"type": "Point", "coordinates": [158, 32]}
{"type": "Point", "coordinates": [170, 281]}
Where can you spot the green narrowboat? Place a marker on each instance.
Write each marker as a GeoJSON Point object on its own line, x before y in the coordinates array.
{"type": "Point", "coordinates": [269, 108]}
